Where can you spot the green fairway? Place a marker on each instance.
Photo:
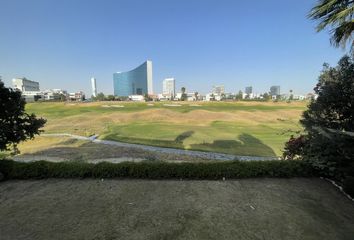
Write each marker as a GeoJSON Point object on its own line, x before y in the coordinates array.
{"type": "Point", "coordinates": [70, 109]}
{"type": "Point", "coordinates": [240, 128]}
{"type": "Point", "coordinates": [226, 137]}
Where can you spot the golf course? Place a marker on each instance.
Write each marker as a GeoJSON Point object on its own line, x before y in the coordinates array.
{"type": "Point", "coordinates": [238, 128]}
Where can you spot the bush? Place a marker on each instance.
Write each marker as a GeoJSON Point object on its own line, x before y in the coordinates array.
{"type": "Point", "coordinates": [294, 147]}
{"type": "Point", "coordinates": [332, 157]}
{"type": "Point", "coordinates": [348, 186]}
{"type": "Point", "coordinates": [155, 170]}
{"type": "Point", "coordinates": [327, 143]}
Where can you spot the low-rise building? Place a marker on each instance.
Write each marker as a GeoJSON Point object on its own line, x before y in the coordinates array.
{"type": "Point", "coordinates": [32, 96]}
{"type": "Point", "coordinates": [139, 98]}
{"type": "Point", "coordinates": [164, 97]}
{"type": "Point", "coordinates": [55, 95]}
{"type": "Point", "coordinates": [310, 96]}
{"type": "Point", "coordinates": [77, 96]}
{"type": "Point", "coordinates": [191, 97]}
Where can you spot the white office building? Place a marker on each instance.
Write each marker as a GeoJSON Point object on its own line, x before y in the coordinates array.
{"type": "Point", "coordinates": [169, 87]}
{"type": "Point", "coordinates": [25, 85]}
{"type": "Point", "coordinates": [218, 90]}
{"type": "Point", "coordinates": [29, 89]}
{"type": "Point", "coordinates": [93, 86]}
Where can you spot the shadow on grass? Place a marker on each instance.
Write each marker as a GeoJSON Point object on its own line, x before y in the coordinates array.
{"type": "Point", "coordinates": [183, 136]}
{"type": "Point", "coordinates": [176, 143]}
{"type": "Point", "coordinates": [247, 145]}
{"type": "Point", "coordinates": [69, 141]}
{"type": "Point", "coordinates": [90, 151]}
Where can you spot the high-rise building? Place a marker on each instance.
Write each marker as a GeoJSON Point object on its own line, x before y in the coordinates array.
{"type": "Point", "coordinates": [93, 86]}
{"type": "Point", "coordinates": [248, 90]}
{"type": "Point", "coordinates": [218, 89]}
{"type": "Point", "coordinates": [169, 87]}
{"type": "Point", "coordinates": [25, 85]}
{"type": "Point", "coordinates": [135, 82]}
{"type": "Point", "coordinates": [275, 90]}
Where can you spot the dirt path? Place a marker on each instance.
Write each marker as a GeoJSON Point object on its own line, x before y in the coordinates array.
{"type": "Point", "coordinates": [274, 209]}
{"type": "Point", "coordinates": [200, 154]}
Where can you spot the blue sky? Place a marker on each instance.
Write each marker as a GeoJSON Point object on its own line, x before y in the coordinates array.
{"type": "Point", "coordinates": [201, 43]}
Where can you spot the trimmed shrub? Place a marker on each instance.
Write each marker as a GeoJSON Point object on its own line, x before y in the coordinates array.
{"type": "Point", "coordinates": [155, 170]}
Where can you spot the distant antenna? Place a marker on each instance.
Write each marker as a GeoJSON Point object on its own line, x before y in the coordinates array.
{"type": "Point", "coordinates": [93, 86]}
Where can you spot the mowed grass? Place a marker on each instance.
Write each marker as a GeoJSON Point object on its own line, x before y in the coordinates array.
{"type": "Point", "coordinates": [69, 109]}
{"type": "Point", "coordinates": [240, 128]}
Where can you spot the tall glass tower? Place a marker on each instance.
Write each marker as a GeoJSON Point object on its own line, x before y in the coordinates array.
{"type": "Point", "coordinates": [135, 82]}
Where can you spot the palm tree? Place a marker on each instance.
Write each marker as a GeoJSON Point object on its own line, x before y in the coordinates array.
{"type": "Point", "coordinates": [184, 95]}
{"type": "Point", "coordinates": [196, 96]}
{"type": "Point", "coordinates": [291, 96]}
{"type": "Point", "coordinates": [338, 16]}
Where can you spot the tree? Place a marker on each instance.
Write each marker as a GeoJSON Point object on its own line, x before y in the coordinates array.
{"type": "Point", "coordinates": [291, 96]}
{"type": "Point", "coordinates": [329, 123]}
{"type": "Point", "coordinates": [62, 97]}
{"type": "Point", "coordinates": [212, 97]}
{"type": "Point", "coordinates": [15, 124]}
{"type": "Point", "coordinates": [184, 95]}
{"type": "Point", "coordinates": [196, 94]}
{"type": "Point", "coordinates": [266, 96]}
{"type": "Point", "coordinates": [239, 95]}
{"type": "Point", "coordinates": [110, 97]}
{"type": "Point", "coordinates": [100, 97]}
{"type": "Point", "coordinates": [336, 15]}
{"type": "Point", "coordinates": [147, 98]}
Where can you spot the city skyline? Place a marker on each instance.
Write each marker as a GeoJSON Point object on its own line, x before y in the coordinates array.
{"type": "Point", "coordinates": [200, 43]}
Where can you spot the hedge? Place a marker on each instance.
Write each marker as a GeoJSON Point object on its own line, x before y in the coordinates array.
{"type": "Point", "coordinates": [155, 170]}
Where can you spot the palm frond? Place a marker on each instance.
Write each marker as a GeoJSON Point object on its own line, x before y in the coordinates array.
{"type": "Point", "coordinates": [337, 15]}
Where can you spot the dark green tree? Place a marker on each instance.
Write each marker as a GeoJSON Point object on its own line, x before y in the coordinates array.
{"type": "Point", "coordinates": [147, 98]}
{"type": "Point", "coordinates": [62, 97]}
{"type": "Point", "coordinates": [212, 97]}
{"type": "Point", "coordinates": [291, 95]}
{"type": "Point", "coordinates": [239, 95]}
{"type": "Point", "coordinates": [196, 94]}
{"type": "Point", "coordinates": [100, 97]}
{"type": "Point", "coordinates": [329, 123]}
{"type": "Point", "coordinates": [266, 96]}
{"type": "Point", "coordinates": [15, 124]}
{"type": "Point", "coordinates": [337, 15]}
{"type": "Point", "coordinates": [110, 98]}
{"type": "Point", "coordinates": [184, 95]}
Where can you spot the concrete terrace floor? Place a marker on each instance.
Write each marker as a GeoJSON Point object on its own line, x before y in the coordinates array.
{"type": "Point", "coordinates": [274, 209]}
